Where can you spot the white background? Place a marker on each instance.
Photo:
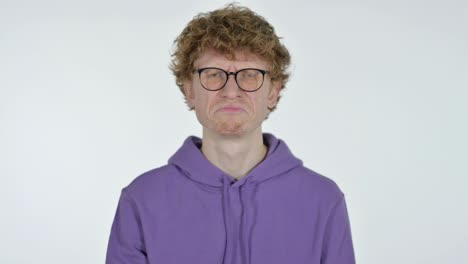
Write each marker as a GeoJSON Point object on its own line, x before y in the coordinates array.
{"type": "Point", "coordinates": [377, 101]}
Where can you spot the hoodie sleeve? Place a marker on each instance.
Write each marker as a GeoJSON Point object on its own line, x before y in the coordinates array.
{"type": "Point", "coordinates": [126, 244]}
{"type": "Point", "coordinates": [337, 242]}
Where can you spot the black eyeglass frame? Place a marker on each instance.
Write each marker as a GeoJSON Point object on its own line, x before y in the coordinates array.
{"type": "Point", "coordinates": [263, 72]}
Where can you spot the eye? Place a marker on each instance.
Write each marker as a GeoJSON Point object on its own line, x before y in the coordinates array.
{"type": "Point", "coordinates": [213, 73]}
{"type": "Point", "coordinates": [249, 74]}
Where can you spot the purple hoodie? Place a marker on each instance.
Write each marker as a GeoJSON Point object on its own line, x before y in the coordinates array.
{"type": "Point", "coordinates": [191, 212]}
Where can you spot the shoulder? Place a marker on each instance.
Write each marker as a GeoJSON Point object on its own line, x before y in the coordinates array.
{"type": "Point", "coordinates": [320, 186]}
{"type": "Point", "coordinates": [151, 182]}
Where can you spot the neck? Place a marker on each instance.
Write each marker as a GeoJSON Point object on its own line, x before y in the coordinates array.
{"type": "Point", "coordinates": [235, 155]}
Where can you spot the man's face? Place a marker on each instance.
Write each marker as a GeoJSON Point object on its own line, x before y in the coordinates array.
{"type": "Point", "coordinates": [231, 111]}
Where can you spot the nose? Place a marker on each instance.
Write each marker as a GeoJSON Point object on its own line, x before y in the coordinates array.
{"type": "Point", "coordinates": [231, 89]}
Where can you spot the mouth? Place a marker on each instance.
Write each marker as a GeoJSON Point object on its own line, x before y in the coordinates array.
{"type": "Point", "coordinates": [230, 109]}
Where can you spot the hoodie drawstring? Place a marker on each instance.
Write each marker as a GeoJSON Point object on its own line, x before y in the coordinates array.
{"type": "Point", "coordinates": [247, 204]}
{"type": "Point", "coordinates": [227, 214]}
{"type": "Point", "coordinates": [232, 232]}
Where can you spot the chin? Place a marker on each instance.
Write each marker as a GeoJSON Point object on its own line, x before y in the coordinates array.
{"type": "Point", "coordinates": [230, 127]}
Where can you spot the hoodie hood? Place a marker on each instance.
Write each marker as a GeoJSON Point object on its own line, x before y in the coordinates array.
{"type": "Point", "coordinates": [235, 193]}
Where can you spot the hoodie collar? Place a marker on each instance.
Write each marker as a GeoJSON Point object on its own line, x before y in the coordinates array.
{"type": "Point", "coordinates": [193, 163]}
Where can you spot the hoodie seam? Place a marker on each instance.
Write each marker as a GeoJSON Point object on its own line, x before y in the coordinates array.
{"type": "Point", "coordinates": [139, 220]}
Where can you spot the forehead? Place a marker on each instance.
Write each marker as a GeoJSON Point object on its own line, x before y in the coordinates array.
{"type": "Point", "coordinates": [242, 59]}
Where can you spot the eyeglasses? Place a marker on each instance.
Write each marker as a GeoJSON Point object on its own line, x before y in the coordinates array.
{"type": "Point", "coordinates": [214, 79]}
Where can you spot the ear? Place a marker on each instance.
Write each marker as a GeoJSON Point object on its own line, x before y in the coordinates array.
{"type": "Point", "coordinates": [188, 91]}
{"type": "Point", "coordinates": [274, 93]}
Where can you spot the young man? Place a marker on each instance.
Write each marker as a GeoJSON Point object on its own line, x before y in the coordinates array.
{"type": "Point", "coordinates": [236, 195]}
